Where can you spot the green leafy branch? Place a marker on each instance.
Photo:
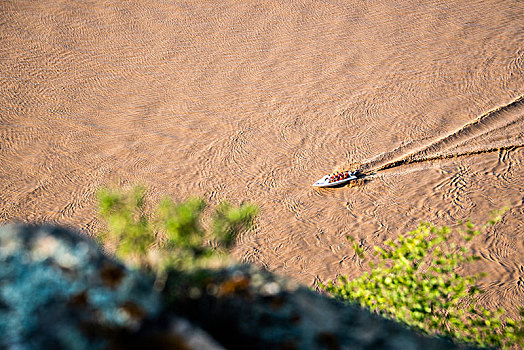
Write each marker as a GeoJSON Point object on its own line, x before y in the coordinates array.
{"type": "Point", "coordinates": [173, 237]}
{"type": "Point", "coordinates": [415, 282]}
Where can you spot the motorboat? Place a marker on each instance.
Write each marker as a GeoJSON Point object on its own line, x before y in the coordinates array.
{"type": "Point", "coordinates": [337, 179]}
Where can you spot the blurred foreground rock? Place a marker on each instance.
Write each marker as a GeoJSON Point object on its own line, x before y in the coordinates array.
{"type": "Point", "coordinates": [244, 307]}
{"type": "Point", "coordinates": [57, 290]}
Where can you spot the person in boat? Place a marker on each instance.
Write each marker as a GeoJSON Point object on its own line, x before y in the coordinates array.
{"type": "Point", "coordinates": [335, 177]}
{"type": "Point", "coordinates": [338, 176]}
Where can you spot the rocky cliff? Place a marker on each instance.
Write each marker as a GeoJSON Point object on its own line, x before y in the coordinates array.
{"type": "Point", "coordinates": [58, 290]}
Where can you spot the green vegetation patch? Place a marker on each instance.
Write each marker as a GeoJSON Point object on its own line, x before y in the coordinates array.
{"type": "Point", "coordinates": [415, 283]}
{"type": "Point", "coordinates": [173, 237]}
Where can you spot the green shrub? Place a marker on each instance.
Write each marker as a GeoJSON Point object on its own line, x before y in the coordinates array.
{"type": "Point", "coordinates": [127, 224]}
{"type": "Point", "coordinates": [173, 237]}
{"type": "Point", "coordinates": [415, 282]}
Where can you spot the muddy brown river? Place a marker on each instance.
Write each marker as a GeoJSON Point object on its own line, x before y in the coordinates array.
{"type": "Point", "coordinates": [256, 100]}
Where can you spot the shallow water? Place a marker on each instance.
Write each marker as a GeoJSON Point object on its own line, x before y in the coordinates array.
{"type": "Point", "coordinates": [256, 101]}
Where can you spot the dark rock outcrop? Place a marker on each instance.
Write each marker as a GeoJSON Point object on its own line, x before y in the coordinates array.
{"type": "Point", "coordinates": [244, 307]}
{"type": "Point", "coordinates": [57, 290]}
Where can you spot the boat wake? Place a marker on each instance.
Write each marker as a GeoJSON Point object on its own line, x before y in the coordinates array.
{"type": "Point", "coordinates": [497, 119]}
{"type": "Point", "coordinates": [447, 156]}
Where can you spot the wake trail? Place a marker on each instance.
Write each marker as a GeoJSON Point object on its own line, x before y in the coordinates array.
{"type": "Point", "coordinates": [448, 156]}
{"type": "Point", "coordinates": [493, 119]}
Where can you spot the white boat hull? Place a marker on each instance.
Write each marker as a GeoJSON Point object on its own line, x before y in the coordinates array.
{"type": "Point", "coordinates": [324, 182]}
